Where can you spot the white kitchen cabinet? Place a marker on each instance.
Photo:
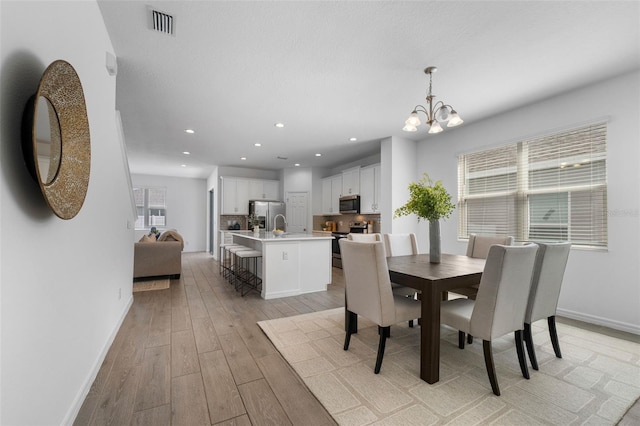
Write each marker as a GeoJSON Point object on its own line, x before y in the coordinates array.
{"type": "Point", "coordinates": [351, 181]}
{"type": "Point", "coordinates": [370, 189]}
{"type": "Point", "coordinates": [235, 196]}
{"type": "Point", "coordinates": [331, 192]}
{"type": "Point", "coordinates": [260, 189]}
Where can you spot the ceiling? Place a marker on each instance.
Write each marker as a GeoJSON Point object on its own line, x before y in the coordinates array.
{"type": "Point", "coordinates": [335, 70]}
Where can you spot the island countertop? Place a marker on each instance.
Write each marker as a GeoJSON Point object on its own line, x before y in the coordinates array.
{"type": "Point", "coordinates": [267, 236]}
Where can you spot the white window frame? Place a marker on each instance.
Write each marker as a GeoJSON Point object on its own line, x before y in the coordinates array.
{"type": "Point", "coordinates": [144, 208]}
{"type": "Point", "coordinates": [591, 155]}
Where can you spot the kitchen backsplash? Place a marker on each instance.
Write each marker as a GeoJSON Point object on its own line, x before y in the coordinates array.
{"type": "Point", "coordinates": [342, 221]}
{"type": "Point", "coordinates": [230, 220]}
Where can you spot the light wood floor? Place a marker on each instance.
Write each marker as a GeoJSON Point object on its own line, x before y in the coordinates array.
{"type": "Point", "coordinates": [193, 355]}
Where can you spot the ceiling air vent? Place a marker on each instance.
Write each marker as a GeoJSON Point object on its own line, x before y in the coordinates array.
{"type": "Point", "coordinates": [162, 22]}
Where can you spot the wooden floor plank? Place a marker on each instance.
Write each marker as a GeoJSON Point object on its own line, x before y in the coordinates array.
{"type": "Point", "coordinates": [116, 402]}
{"type": "Point", "coordinates": [188, 401]}
{"type": "Point", "coordinates": [205, 335]}
{"type": "Point", "coordinates": [223, 397]}
{"type": "Point", "coordinates": [242, 420]}
{"type": "Point", "coordinates": [239, 358]}
{"type": "Point", "coordinates": [156, 416]}
{"type": "Point", "coordinates": [154, 387]}
{"type": "Point", "coordinates": [262, 405]}
{"type": "Point", "coordinates": [184, 356]}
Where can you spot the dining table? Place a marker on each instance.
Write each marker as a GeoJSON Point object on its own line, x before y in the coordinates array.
{"type": "Point", "coordinates": [433, 280]}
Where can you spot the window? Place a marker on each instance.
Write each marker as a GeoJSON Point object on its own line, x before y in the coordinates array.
{"type": "Point", "coordinates": [552, 188]}
{"type": "Point", "coordinates": [151, 207]}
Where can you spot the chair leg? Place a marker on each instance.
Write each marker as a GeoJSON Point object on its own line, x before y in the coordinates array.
{"type": "Point", "coordinates": [554, 335]}
{"type": "Point", "coordinates": [351, 327]}
{"type": "Point", "coordinates": [528, 340]}
{"type": "Point", "coordinates": [461, 339]}
{"type": "Point", "coordinates": [491, 369]}
{"type": "Point", "coordinates": [521, 357]}
{"type": "Point", "coordinates": [469, 339]}
{"type": "Point", "coordinates": [384, 332]}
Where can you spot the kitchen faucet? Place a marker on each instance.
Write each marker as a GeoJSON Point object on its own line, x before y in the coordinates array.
{"type": "Point", "coordinates": [275, 218]}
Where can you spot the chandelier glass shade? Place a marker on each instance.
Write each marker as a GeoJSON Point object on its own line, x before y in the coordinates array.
{"type": "Point", "coordinates": [436, 113]}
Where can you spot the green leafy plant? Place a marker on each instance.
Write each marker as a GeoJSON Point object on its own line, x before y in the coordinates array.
{"type": "Point", "coordinates": [427, 200]}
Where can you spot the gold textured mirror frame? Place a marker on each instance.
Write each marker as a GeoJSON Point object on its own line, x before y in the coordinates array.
{"type": "Point", "coordinates": [63, 189]}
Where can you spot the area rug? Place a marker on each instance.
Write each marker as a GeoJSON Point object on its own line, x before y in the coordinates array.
{"type": "Point", "coordinates": [148, 285]}
{"type": "Point", "coordinates": [595, 382]}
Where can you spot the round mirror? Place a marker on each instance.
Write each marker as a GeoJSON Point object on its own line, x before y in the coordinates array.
{"type": "Point", "coordinates": [56, 142]}
{"type": "Point", "coordinates": [48, 144]}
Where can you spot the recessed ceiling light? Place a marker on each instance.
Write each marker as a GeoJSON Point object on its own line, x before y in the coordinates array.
{"type": "Point", "coordinates": [186, 152]}
{"type": "Point", "coordinates": [190, 131]}
{"type": "Point", "coordinates": [257, 144]}
{"type": "Point", "coordinates": [183, 165]}
{"type": "Point", "coordinates": [243, 158]}
{"type": "Point", "coordinates": [279, 125]}
{"type": "Point", "coordinates": [353, 139]}
{"type": "Point", "coordinates": [297, 164]}
{"type": "Point", "coordinates": [318, 155]}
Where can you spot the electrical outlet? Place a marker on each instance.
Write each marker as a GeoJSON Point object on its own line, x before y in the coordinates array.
{"type": "Point", "coordinates": [120, 293]}
{"type": "Point", "coordinates": [285, 255]}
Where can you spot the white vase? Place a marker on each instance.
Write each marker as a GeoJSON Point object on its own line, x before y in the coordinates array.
{"type": "Point", "coordinates": [256, 229]}
{"type": "Point", "coordinates": [434, 241]}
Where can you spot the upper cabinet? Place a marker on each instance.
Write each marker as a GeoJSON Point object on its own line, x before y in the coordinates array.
{"type": "Point", "coordinates": [236, 193]}
{"type": "Point", "coordinates": [370, 189]}
{"type": "Point", "coordinates": [351, 181]}
{"type": "Point", "coordinates": [264, 189]}
{"type": "Point", "coordinates": [331, 191]}
{"type": "Point", "coordinates": [235, 196]}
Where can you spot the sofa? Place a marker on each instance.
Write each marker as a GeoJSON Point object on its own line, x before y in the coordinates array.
{"type": "Point", "coordinates": [158, 257]}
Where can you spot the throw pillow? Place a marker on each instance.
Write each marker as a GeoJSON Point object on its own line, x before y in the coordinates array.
{"type": "Point", "coordinates": [147, 239]}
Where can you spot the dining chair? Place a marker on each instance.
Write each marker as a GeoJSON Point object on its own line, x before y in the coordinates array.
{"type": "Point", "coordinates": [500, 306]}
{"type": "Point", "coordinates": [368, 292]}
{"type": "Point", "coordinates": [364, 238]}
{"type": "Point", "coordinates": [401, 245]}
{"type": "Point", "coordinates": [548, 272]}
{"type": "Point", "coordinates": [478, 247]}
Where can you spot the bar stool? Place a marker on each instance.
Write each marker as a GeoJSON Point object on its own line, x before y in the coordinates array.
{"type": "Point", "coordinates": [248, 260]}
{"type": "Point", "coordinates": [233, 261]}
{"type": "Point", "coordinates": [225, 258]}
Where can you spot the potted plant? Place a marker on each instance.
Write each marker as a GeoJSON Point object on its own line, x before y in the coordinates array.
{"type": "Point", "coordinates": [254, 223]}
{"type": "Point", "coordinates": [430, 201]}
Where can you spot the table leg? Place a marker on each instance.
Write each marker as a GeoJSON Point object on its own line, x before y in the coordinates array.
{"type": "Point", "coordinates": [430, 336]}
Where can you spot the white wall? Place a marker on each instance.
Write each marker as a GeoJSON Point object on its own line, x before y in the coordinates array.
{"type": "Point", "coordinates": [601, 287]}
{"type": "Point", "coordinates": [187, 201]}
{"type": "Point", "coordinates": [59, 280]}
{"type": "Point", "coordinates": [398, 169]}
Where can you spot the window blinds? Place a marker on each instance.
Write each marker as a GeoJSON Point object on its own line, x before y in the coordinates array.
{"type": "Point", "coordinates": [551, 188]}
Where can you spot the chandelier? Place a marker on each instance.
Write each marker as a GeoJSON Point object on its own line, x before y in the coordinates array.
{"type": "Point", "coordinates": [436, 113]}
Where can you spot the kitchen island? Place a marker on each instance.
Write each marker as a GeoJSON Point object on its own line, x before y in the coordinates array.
{"type": "Point", "coordinates": [291, 264]}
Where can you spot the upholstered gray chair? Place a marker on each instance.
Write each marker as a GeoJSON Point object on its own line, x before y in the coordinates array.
{"type": "Point", "coordinates": [500, 306]}
{"type": "Point", "coordinates": [478, 247]}
{"type": "Point", "coordinates": [551, 262]}
{"type": "Point", "coordinates": [368, 292]}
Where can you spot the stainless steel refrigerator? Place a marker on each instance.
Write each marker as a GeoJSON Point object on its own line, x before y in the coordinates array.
{"type": "Point", "coordinates": [266, 212]}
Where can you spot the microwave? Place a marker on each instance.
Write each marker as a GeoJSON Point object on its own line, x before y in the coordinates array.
{"type": "Point", "coordinates": [350, 204]}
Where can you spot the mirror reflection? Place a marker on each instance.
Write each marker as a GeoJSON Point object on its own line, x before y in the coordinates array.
{"type": "Point", "coordinates": [48, 144]}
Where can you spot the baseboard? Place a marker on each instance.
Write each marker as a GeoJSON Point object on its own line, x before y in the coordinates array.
{"type": "Point", "coordinates": [592, 319]}
{"type": "Point", "coordinates": [71, 415]}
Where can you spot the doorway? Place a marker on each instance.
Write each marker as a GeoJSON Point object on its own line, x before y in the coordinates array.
{"type": "Point", "coordinates": [297, 211]}
{"type": "Point", "coordinates": [212, 224]}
